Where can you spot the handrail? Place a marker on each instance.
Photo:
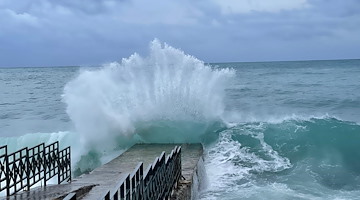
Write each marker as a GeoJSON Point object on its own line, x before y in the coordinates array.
{"type": "Point", "coordinates": [24, 168]}
{"type": "Point", "coordinates": [157, 182]}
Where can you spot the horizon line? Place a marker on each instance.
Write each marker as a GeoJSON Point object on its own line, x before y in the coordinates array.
{"type": "Point", "coordinates": [217, 62]}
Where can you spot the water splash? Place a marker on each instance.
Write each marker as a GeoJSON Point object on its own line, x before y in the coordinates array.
{"type": "Point", "coordinates": [166, 97]}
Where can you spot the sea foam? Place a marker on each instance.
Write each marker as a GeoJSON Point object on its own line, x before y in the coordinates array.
{"type": "Point", "coordinates": [168, 96]}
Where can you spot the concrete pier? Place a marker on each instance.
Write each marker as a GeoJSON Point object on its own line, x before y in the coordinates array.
{"type": "Point", "coordinates": [102, 179]}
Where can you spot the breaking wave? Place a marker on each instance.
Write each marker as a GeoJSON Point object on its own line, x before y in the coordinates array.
{"type": "Point", "coordinates": [167, 96]}
{"type": "Point", "coordinates": [250, 159]}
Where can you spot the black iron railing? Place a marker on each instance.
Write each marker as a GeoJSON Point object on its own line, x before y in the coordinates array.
{"type": "Point", "coordinates": [157, 182]}
{"type": "Point", "coordinates": [26, 167]}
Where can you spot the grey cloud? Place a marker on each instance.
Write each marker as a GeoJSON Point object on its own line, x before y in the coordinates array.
{"type": "Point", "coordinates": [313, 22]}
{"type": "Point", "coordinates": [90, 6]}
{"type": "Point", "coordinates": [44, 32]}
{"type": "Point", "coordinates": [86, 6]}
{"type": "Point", "coordinates": [336, 8]}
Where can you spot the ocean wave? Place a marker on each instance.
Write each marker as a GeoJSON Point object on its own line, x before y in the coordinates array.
{"type": "Point", "coordinates": [315, 150]}
{"type": "Point", "coordinates": [234, 118]}
{"type": "Point", "coordinates": [32, 139]}
{"type": "Point", "coordinates": [145, 97]}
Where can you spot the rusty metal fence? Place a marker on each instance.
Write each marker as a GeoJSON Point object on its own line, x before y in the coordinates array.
{"type": "Point", "coordinates": [26, 167]}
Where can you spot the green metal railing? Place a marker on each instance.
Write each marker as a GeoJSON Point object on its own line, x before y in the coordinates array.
{"type": "Point", "coordinates": [26, 167]}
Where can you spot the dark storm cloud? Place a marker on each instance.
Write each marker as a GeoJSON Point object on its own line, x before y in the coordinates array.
{"type": "Point", "coordinates": [44, 32]}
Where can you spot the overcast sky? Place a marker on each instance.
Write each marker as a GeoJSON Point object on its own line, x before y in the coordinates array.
{"type": "Point", "coordinates": [86, 32]}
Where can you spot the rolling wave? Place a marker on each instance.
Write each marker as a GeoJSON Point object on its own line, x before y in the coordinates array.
{"type": "Point", "coordinates": [288, 155]}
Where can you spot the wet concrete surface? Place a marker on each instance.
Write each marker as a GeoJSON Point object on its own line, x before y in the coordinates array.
{"type": "Point", "coordinates": [102, 179]}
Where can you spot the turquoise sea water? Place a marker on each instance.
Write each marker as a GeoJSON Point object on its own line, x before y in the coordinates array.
{"type": "Point", "coordinates": [271, 130]}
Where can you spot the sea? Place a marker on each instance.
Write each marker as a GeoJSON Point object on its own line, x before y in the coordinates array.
{"type": "Point", "coordinates": [270, 130]}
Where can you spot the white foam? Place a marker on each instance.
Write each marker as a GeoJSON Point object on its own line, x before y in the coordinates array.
{"type": "Point", "coordinates": [33, 139]}
{"type": "Point", "coordinates": [233, 118]}
{"type": "Point", "coordinates": [107, 104]}
{"type": "Point", "coordinates": [230, 165]}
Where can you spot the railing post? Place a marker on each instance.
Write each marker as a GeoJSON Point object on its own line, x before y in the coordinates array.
{"type": "Point", "coordinates": [122, 190]}
{"type": "Point", "coordinates": [107, 197]}
{"type": "Point", "coordinates": [57, 163]}
{"type": "Point", "coordinates": [27, 170]}
{"type": "Point", "coordinates": [127, 195]}
{"type": "Point", "coordinates": [7, 172]}
{"type": "Point", "coordinates": [44, 163]}
{"type": "Point", "coordinates": [141, 185]}
{"type": "Point", "coordinates": [26, 167]}
{"type": "Point", "coordinates": [133, 182]}
{"type": "Point", "coordinates": [70, 164]}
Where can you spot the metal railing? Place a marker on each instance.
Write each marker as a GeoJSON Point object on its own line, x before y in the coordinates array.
{"type": "Point", "coordinates": [26, 167]}
{"type": "Point", "coordinates": [157, 182]}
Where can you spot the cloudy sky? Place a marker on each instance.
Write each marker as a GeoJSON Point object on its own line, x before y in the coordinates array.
{"type": "Point", "coordinates": [87, 32]}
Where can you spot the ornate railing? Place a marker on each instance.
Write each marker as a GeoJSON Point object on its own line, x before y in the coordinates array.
{"type": "Point", "coordinates": [158, 182]}
{"type": "Point", "coordinates": [26, 167]}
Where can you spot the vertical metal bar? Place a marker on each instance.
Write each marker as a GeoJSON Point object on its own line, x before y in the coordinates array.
{"type": "Point", "coordinates": [133, 182]}
{"type": "Point", "coordinates": [116, 195]}
{"type": "Point", "coordinates": [122, 190]}
{"type": "Point", "coordinates": [27, 169]}
{"type": "Point", "coordinates": [127, 187]}
{"type": "Point", "coordinates": [107, 197]}
{"type": "Point", "coordinates": [70, 163]}
{"type": "Point", "coordinates": [58, 166]}
{"type": "Point", "coordinates": [22, 170]}
{"type": "Point", "coordinates": [136, 184]}
{"type": "Point", "coordinates": [30, 166]}
{"type": "Point", "coordinates": [141, 186]}
{"type": "Point", "coordinates": [57, 162]}
{"type": "Point", "coordinates": [7, 172]}
{"type": "Point", "coordinates": [44, 163]}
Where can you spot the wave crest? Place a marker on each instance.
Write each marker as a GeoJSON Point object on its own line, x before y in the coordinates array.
{"type": "Point", "coordinates": [107, 105]}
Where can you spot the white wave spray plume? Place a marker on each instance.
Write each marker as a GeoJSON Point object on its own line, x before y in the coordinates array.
{"type": "Point", "coordinates": [166, 97]}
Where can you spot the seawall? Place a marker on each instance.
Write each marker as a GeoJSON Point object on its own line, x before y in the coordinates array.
{"type": "Point", "coordinates": [103, 179]}
{"type": "Point", "coordinates": [193, 172]}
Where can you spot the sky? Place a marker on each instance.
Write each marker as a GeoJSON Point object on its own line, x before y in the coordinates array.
{"type": "Point", "coordinates": [93, 32]}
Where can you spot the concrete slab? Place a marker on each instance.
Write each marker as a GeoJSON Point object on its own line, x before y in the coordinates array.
{"type": "Point", "coordinates": [102, 179]}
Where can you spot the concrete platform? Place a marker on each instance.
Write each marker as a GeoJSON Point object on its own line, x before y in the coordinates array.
{"type": "Point", "coordinates": [102, 179]}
